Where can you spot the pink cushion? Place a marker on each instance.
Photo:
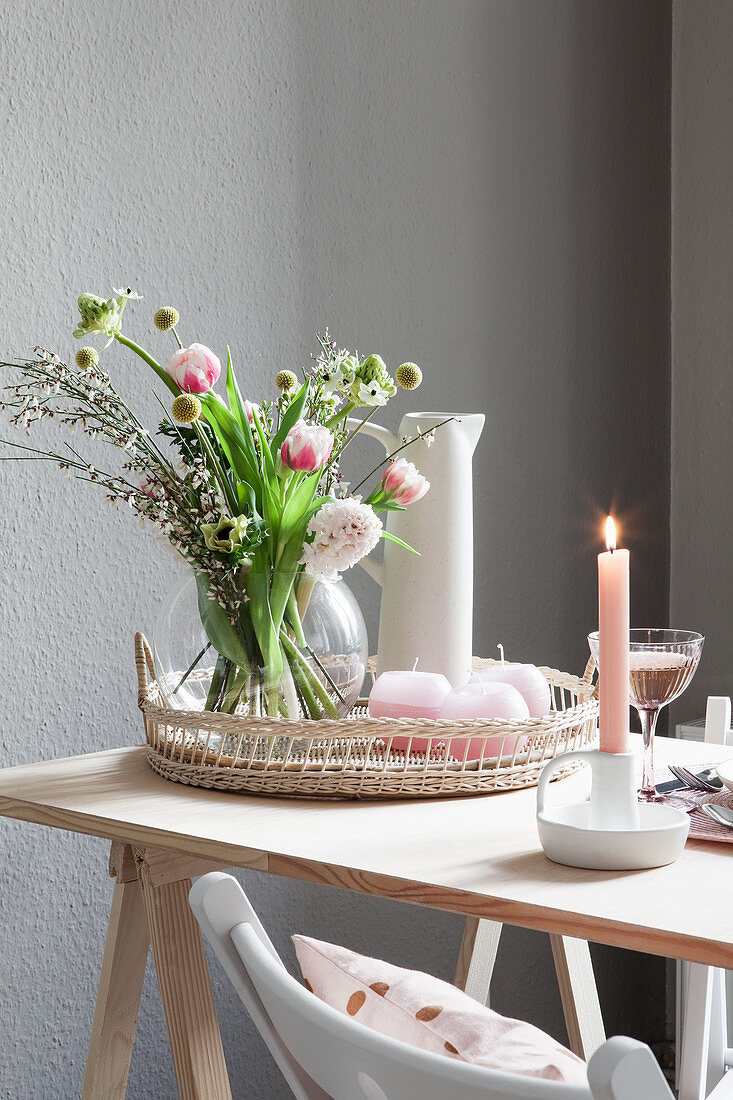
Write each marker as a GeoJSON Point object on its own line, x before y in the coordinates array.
{"type": "Point", "coordinates": [431, 1014]}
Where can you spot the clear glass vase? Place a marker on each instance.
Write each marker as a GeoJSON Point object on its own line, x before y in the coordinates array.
{"type": "Point", "coordinates": [302, 645]}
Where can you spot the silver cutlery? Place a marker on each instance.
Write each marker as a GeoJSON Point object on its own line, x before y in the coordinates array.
{"type": "Point", "coordinates": [720, 814]}
{"type": "Point", "coordinates": [706, 780]}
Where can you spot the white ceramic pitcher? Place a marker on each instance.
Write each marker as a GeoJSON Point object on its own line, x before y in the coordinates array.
{"type": "Point", "coordinates": [427, 601]}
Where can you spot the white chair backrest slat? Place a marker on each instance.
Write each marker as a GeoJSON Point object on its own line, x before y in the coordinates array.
{"type": "Point", "coordinates": [717, 720]}
{"type": "Point", "coordinates": [323, 1053]}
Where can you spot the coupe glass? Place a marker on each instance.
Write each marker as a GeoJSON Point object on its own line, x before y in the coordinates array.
{"type": "Point", "coordinates": [661, 664]}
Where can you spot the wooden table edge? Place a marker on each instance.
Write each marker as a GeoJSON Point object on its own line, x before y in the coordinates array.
{"type": "Point", "coordinates": [464, 903]}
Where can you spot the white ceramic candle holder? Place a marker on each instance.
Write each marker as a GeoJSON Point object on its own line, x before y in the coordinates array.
{"type": "Point", "coordinates": [612, 831]}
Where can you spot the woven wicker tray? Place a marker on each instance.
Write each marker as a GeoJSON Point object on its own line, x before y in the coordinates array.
{"type": "Point", "coordinates": [355, 758]}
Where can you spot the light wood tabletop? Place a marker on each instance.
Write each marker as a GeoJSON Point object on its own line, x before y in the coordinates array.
{"type": "Point", "coordinates": [477, 856]}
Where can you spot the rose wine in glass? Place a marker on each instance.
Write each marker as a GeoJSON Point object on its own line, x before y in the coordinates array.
{"type": "Point", "coordinates": [661, 665]}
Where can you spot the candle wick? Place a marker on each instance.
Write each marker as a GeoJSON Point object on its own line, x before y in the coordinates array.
{"type": "Point", "coordinates": [500, 647]}
{"type": "Point", "coordinates": [414, 667]}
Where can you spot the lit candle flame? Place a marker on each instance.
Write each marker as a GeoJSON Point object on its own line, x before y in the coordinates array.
{"type": "Point", "coordinates": [610, 534]}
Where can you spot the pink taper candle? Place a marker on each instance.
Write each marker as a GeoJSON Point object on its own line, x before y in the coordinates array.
{"type": "Point", "coordinates": [613, 644]}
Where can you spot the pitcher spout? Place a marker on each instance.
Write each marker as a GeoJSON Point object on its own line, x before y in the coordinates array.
{"type": "Point", "coordinates": [473, 425]}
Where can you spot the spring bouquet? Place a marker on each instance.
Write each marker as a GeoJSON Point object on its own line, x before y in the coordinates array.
{"type": "Point", "coordinates": [249, 494]}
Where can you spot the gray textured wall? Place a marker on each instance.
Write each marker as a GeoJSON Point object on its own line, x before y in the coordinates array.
{"type": "Point", "coordinates": [702, 338]}
{"type": "Point", "coordinates": [481, 186]}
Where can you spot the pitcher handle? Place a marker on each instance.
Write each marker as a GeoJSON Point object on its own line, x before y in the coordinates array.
{"type": "Point", "coordinates": [390, 442]}
{"type": "Point", "coordinates": [388, 439]}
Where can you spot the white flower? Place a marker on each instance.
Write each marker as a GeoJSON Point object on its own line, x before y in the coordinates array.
{"type": "Point", "coordinates": [338, 374]}
{"type": "Point", "coordinates": [372, 394]}
{"type": "Point", "coordinates": [344, 532]}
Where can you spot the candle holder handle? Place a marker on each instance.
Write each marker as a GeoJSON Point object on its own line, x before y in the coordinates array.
{"type": "Point", "coordinates": [584, 755]}
{"type": "Point", "coordinates": [613, 799]}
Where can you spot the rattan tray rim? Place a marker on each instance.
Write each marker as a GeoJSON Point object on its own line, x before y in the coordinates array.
{"type": "Point", "coordinates": [354, 757]}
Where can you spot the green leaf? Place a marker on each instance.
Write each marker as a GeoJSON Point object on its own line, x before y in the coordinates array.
{"type": "Point", "coordinates": [237, 444]}
{"type": "Point", "coordinates": [293, 414]}
{"type": "Point", "coordinates": [219, 630]}
{"type": "Point", "coordinates": [258, 589]}
{"type": "Point", "coordinates": [236, 404]}
{"type": "Point", "coordinates": [393, 538]}
{"type": "Point", "coordinates": [297, 505]}
{"type": "Point", "coordinates": [271, 507]}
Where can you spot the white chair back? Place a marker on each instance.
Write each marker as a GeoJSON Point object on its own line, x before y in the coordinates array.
{"type": "Point", "coordinates": [324, 1054]}
{"type": "Point", "coordinates": [717, 720]}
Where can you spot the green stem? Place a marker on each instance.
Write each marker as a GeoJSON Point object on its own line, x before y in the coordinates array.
{"type": "Point", "coordinates": [300, 665]}
{"type": "Point", "coordinates": [258, 589]}
{"type": "Point", "coordinates": [307, 694]}
{"type": "Point", "coordinates": [357, 429]}
{"type": "Point", "coordinates": [325, 672]}
{"type": "Point", "coordinates": [216, 682]}
{"type": "Point", "coordinates": [190, 668]}
{"type": "Point", "coordinates": [288, 692]}
{"type": "Point", "coordinates": [235, 685]}
{"type": "Point", "coordinates": [229, 499]}
{"type": "Point", "coordinates": [294, 618]}
{"type": "Point", "coordinates": [255, 707]}
{"type": "Point", "coordinates": [338, 417]}
{"type": "Point", "coordinates": [282, 586]}
{"type": "Point", "coordinates": [149, 360]}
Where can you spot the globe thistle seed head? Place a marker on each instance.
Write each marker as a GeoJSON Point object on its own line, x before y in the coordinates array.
{"type": "Point", "coordinates": [408, 376]}
{"type": "Point", "coordinates": [286, 381]}
{"type": "Point", "coordinates": [86, 357]}
{"type": "Point", "coordinates": [166, 318]}
{"type": "Point", "coordinates": [186, 408]}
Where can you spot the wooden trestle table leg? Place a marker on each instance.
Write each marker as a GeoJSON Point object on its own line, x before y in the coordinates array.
{"type": "Point", "coordinates": [476, 957]}
{"type": "Point", "coordinates": [150, 905]}
{"type": "Point", "coordinates": [120, 986]}
{"type": "Point", "coordinates": [579, 994]}
{"type": "Point", "coordinates": [574, 969]}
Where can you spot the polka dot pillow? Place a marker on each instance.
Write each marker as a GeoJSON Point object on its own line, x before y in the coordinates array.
{"type": "Point", "coordinates": [431, 1014]}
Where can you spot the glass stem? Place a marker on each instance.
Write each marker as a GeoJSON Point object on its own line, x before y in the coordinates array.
{"type": "Point", "coordinates": [648, 719]}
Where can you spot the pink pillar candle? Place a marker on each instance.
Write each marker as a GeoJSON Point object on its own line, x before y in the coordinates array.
{"type": "Point", "coordinates": [527, 679]}
{"type": "Point", "coordinates": [408, 695]}
{"type": "Point", "coordinates": [484, 702]}
{"type": "Point", "coordinates": [613, 645]}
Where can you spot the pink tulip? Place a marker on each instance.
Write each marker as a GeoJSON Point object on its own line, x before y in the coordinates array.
{"type": "Point", "coordinates": [250, 408]}
{"type": "Point", "coordinates": [307, 447]}
{"type": "Point", "coordinates": [403, 483]}
{"type": "Point", "coordinates": [194, 369]}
